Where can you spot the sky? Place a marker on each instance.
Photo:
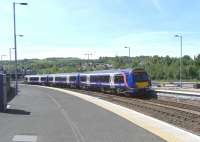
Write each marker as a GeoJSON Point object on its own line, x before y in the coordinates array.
{"type": "Point", "coordinates": [71, 28]}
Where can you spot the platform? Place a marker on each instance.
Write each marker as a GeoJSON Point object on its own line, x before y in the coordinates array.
{"type": "Point", "coordinates": [44, 115]}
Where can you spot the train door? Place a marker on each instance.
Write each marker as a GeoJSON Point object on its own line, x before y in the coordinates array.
{"type": "Point", "coordinates": [112, 84]}
{"type": "Point", "coordinates": [67, 79]}
{"type": "Point", "coordinates": [88, 81]}
{"type": "Point", "coordinates": [39, 80]}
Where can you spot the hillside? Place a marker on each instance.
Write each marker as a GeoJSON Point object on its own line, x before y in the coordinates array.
{"type": "Point", "coordinates": [159, 68]}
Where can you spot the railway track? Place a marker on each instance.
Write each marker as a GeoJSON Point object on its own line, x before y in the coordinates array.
{"type": "Point", "coordinates": [182, 115]}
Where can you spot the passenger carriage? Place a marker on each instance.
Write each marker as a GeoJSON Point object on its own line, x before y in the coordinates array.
{"type": "Point", "coordinates": [131, 81]}
{"type": "Point", "coordinates": [64, 80]}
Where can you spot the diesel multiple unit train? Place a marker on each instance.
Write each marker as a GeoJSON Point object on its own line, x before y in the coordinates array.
{"type": "Point", "coordinates": [120, 81]}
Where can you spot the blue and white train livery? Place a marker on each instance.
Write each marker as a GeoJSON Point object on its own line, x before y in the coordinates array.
{"type": "Point", "coordinates": [131, 81]}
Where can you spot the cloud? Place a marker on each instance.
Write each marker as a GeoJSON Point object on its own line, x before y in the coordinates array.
{"type": "Point", "coordinates": [156, 4]}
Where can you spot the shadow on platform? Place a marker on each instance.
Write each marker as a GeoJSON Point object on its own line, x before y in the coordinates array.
{"type": "Point", "coordinates": [17, 112]}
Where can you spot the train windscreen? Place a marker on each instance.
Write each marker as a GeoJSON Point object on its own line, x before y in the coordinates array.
{"type": "Point", "coordinates": [140, 76]}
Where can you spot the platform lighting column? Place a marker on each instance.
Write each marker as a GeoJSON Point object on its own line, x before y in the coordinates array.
{"type": "Point", "coordinates": [88, 56]}
{"type": "Point", "coordinates": [181, 43]}
{"type": "Point", "coordinates": [10, 56]}
{"type": "Point", "coordinates": [129, 54]}
{"type": "Point", "coordinates": [2, 60]}
{"type": "Point", "coordinates": [15, 45]}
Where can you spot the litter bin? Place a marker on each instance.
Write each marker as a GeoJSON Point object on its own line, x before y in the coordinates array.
{"type": "Point", "coordinates": [3, 93]}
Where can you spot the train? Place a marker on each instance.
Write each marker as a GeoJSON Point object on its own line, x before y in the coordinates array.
{"type": "Point", "coordinates": [120, 81]}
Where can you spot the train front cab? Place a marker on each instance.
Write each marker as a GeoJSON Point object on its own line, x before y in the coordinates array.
{"type": "Point", "coordinates": [139, 82]}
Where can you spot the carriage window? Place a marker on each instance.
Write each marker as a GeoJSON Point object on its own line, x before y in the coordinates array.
{"type": "Point", "coordinates": [105, 79]}
{"type": "Point", "coordinates": [50, 78]}
{"type": "Point", "coordinates": [43, 78]}
{"type": "Point", "coordinates": [72, 78]}
{"type": "Point", "coordinates": [92, 78]}
{"type": "Point", "coordinates": [119, 79]}
{"type": "Point", "coordinates": [83, 78]}
{"type": "Point", "coordinates": [97, 79]}
{"type": "Point", "coordinates": [60, 79]}
{"type": "Point", "coordinates": [34, 79]}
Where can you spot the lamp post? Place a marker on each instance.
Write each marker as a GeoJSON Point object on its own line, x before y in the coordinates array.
{"type": "Point", "coordinates": [2, 62]}
{"type": "Point", "coordinates": [10, 53]}
{"type": "Point", "coordinates": [129, 54]}
{"type": "Point", "coordinates": [10, 56]}
{"type": "Point", "coordinates": [15, 45]}
{"type": "Point", "coordinates": [88, 57]}
{"type": "Point", "coordinates": [181, 43]}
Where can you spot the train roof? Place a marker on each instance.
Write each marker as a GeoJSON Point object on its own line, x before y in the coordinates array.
{"type": "Point", "coordinates": [112, 71]}
{"type": "Point", "coordinates": [109, 71]}
{"type": "Point", "coordinates": [36, 75]}
{"type": "Point", "coordinates": [63, 74]}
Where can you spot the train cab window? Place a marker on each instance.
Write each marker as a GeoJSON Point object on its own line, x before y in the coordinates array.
{"type": "Point", "coordinates": [83, 78]}
{"type": "Point", "coordinates": [140, 76]}
{"type": "Point", "coordinates": [60, 78]}
{"type": "Point", "coordinates": [118, 79]}
{"type": "Point", "coordinates": [43, 78]}
{"type": "Point", "coordinates": [50, 78]}
{"type": "Point", "coordinates": [72, 78]}
{"type": "Point", "coordinates": [34, 78]}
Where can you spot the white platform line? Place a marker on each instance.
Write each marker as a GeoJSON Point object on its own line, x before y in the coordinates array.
{"type": "Point", "coordinates": [24, 138]}
{"type": "Point", "coordinates": [162, 129]}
